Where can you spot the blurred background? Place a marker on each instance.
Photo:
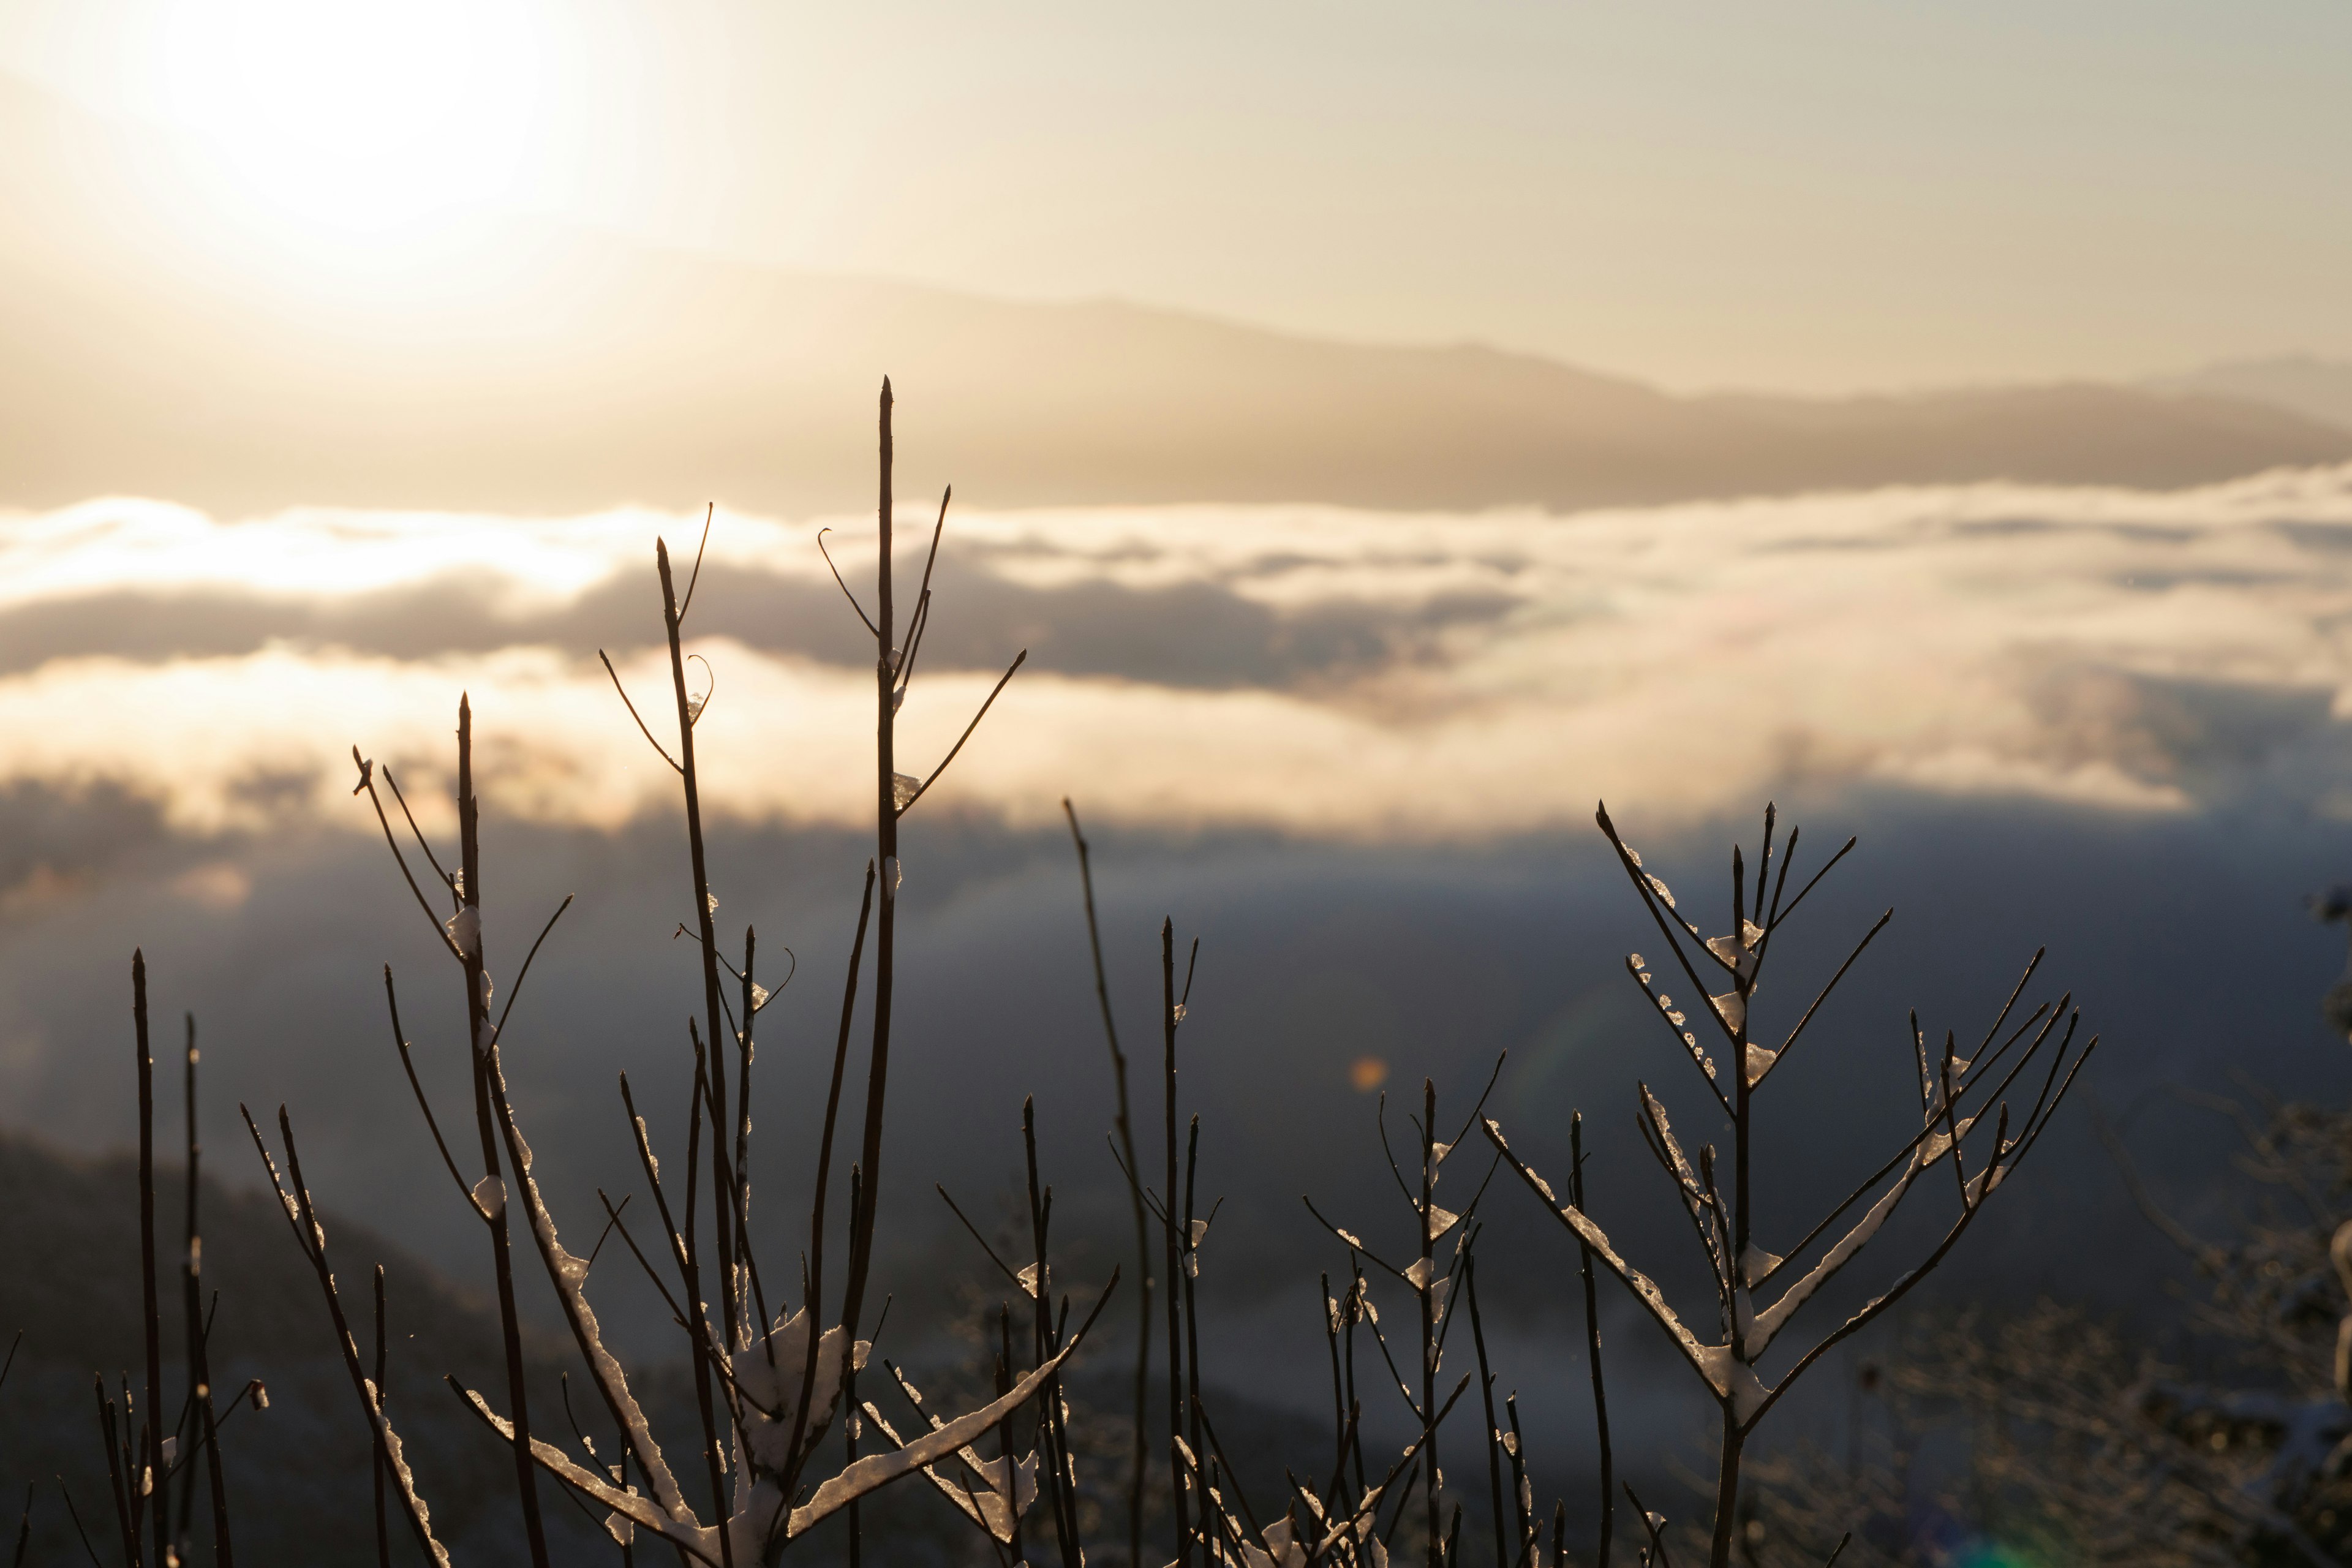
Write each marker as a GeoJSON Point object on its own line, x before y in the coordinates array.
{"type": "Point", "coordinates": [1389, 432]}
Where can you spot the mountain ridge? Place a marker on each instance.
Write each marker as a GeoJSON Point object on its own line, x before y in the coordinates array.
{"type": "Point", "coordinates": [2309, 385]}
{"type": "Point", "coordinates": [526, 366]}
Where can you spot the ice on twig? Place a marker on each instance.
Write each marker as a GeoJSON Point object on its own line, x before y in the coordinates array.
{"type": "Point", "coordinates": [1418, 1273]}
{"type": "Point", "coordinates": [1645, 1290]}
{"type": "Point", "coordinates": [1010, 1490]}
{"type": "Point", "coordinates": [569, 1272]}
{"type": "Point", "coordinates": [620, 1527]}
{"type": "Point", "coordinates": [465, 929]}
{"type": "Point", "coordinates": [1733, 1380]}
{"type": "Point", "coordinates": [903, 789]}
{"type": "Point", "coordinates": [1439, 1221]}
{"type": "Point", "coordinates": [1176, 1014]}
{"type": "Point", "coordinates": [865, 1475]}
{"type": "Point", "coordinates": [1755, 1263]}
{"type": "Point", "coordinates": [1198, 1232]}
{"type": "Point", "coordinates": [894, 876]}
{"type": "Point", "coordinates": [1734, 1008]}
{"type": "Point", "coordinates": [759, 996]}
{"type": "Point", "coordinates": [1938, 1144]}
{"type": "Point", "coordinates": [395, 1459]}
{"type": "Point", "coordinates": [1988, 1178]}
{"type": "Point", "coordinates": [1737, 953]}
{"type": "Point", "coordinates": [1760, 1062]}
{"type": "Point", "coordinates": [772, 1386]}
{"type": "Point", "coordinates": [1665, 1132]}
{"type": "Point", "coordinates": [259, 1393]}
{"type": "Point", "coordinates": [710, 902]}
{"type": "Point", "coordinates": [1706, 1063]}
{"type": "Point", "coordinates": [490, 1196]}
{"type": "Point", "coordinates": [1281, 1549]}
{"type": "Point", "coordinates": [963, 1498]}
{"type": "Point", "coordinates": [1773, 1319]}
{"type": "Point", "coordinates": [1665, 894]}
{"type": "Point", "coordinates": [1028, 1277]}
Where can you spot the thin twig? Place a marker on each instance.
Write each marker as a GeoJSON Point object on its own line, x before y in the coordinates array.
{"type": "Point", "coordinates": [632, 707]}
{"type": "Point", "coordinates": [710, 510]}
{"type": "Point", "coordinates": [391, 1000]}
{"type": "Point", "coordinates": [921, 789]}
{"type": "Point", "coordinates": [844, 587]}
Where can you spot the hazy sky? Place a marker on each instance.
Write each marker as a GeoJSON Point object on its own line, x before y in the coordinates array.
{"type": "Point", "coordinates": [1807, 194]}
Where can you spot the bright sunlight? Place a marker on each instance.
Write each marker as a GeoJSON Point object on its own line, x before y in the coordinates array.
{"type": "Point", "coordinates": [360, 115]}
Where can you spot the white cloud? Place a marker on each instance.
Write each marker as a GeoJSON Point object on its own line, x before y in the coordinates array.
{"type": "Point", "coordinates": [2131, 651]}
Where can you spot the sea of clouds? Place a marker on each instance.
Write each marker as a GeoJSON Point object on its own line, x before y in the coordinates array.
{"type": "Point", "coordinates": [1356, 754]}
{"type": "Point", "coordinates": [1320, 673]}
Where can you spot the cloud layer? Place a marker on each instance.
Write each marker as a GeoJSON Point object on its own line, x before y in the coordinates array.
{"type": "Point", "coordinates": [1314, 671]}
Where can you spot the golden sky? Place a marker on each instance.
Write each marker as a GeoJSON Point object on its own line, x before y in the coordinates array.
{"type": "Point", "coordinates": [1806, 196]}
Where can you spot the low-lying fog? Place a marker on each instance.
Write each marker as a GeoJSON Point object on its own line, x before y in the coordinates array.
{"type": "Point", "coordinates": [1355, 754]}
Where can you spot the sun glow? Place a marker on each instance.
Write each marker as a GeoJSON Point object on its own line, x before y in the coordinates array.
{"type": "Point", "coordinates": [361, 116]}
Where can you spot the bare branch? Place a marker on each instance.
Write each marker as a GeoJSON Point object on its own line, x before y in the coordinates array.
{"type": "Point", "coordinates": [924, 788]}
{"type": "Point", "coordinates": [367, 783]}
{"type": "Point", "coordinates": [632, 707]}
{"type": "Point", "coordinates": [710, 510]}
{"type": "Point", "coordinates": [845, 586]}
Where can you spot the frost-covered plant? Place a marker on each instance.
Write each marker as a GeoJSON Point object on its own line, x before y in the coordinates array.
{"type": "Point", "coordinates": [2235, 1446]}
{"type": "Point", "coordinates": [1436, 1283]}
{"type": "Point", "coordinates": [151, 1462]}
{"type": "Point", "coordinates": [768, 1384]}
{"type": "Point", "coordinates": [1123, 1131]}
{"type": "Point", "coordinates": [1719, 1196]}
{"type": "Point", "coordinates": [771, 1380]}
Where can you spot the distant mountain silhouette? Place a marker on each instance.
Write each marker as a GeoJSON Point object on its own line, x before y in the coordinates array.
{"type": "Point", "coordinates": [298, 1471]}
{"type": "Point", "coordinates": [2302, 384]}
{"type": "Point", "coordinates": [575, 371]}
